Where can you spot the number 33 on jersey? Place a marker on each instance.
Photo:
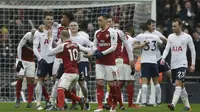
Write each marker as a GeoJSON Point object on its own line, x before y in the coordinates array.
{"type": "Point", "coordinates": [149, 51]}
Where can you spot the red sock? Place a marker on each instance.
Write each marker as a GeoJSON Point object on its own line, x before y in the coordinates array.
{"type": "Point", "coordinates": [129, 90]}
{"type": "Point", "coordinates": [76, 98]}
{"type": "Point", "coordinates": [100, 95]}
{"type": "Point", "coordinates": [119, 96]}
{"type": "Point", "coordinates": [18, 88]}
{"type": "Point", "coordinates": [61, 98]}
{"type": "Point", "coordinates": [113, 92]}
{"type": "Point", "coordinates": [30, 92]}
{"type": "Point", "coordinates": [45, 93]}
{"type": "Point", "coordinates": [74, 92]}
{"type": "Point", "coordinates": [109, 101]}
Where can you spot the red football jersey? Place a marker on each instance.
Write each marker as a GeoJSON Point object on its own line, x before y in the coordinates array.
{"type": "Point", "coordinates": [70, 57]}
{"type": "Point", "coordinates": [58, 36]}
{"type": "Point", "coordinates": [103, 43]}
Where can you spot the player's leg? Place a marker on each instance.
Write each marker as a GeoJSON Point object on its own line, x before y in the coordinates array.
{"type": "Point", "coordinates": [41, 74]}
{"type": "Point", "coordinates": [164, 68]}
{"type": "Point", "coordinates": [57, 73]}
{"type": "Point", "coordinates": [29, 68]}
{"type": "Point", "coordinates": [100, 73]}
{"type": "Point", "coordinates": [18, 86]}
{"type": "Point", "coordinates": [155, 75]}
{"type": "Point", "coordinates": [145, 74]}
{"type": "Point", "coordinates": [184, 97]}
{"type": "Point", "coordinates": [178, 76]}
{"type": "Point", "coordinates": [83, 72]}
{"type": "Point", "coordinates": [111, 77]}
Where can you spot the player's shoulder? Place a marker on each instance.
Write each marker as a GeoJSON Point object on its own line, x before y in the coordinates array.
{"type": "Point", "coordinates": [171, 35]}
{"type": "Point", "coordinates": [156, 32]}
{"type": "Point", "coordinates": [186, 35]}
{"type": "Point", "coordinates": [28, 34]}
{"type": "Point", "coordinates": [111, 30]}
{"type": "Point", "coordinates": [83, 34]}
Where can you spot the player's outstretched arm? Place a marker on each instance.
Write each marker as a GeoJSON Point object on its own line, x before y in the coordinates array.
{"type": "Point", "coordinates": [193, 54]}
{"type": "Point", "coordinates": [36, 43]}
{"type": "Point", "coordinates": [56, 50]}
{"type": "Point", "coordinates": [167, 48]}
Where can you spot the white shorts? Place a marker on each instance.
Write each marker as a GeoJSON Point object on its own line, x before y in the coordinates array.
{"type": "Point", "coordinates": [106, 72]}
{"type": "Point", "coordinates": [56, 65]}
{"type": "Point", "coordinates": [124, 72]}
{"type": "Point", "coordinates": [29, 68]}
{"type": "Point", "coordinates": [68, 81]}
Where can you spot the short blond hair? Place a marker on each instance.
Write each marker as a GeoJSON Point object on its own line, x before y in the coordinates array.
{"type": "Point", "coordinates": [65, 34]}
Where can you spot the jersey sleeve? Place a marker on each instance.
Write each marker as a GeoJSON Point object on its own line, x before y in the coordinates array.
{"type": "Point", "coordinates": [192, 49]}
{"type": "Point", "coordinates": [22, 42]}
{"type": "Point", "coordinates": [84, 49]}
{"type": "Point", "coordinates": [159, 40]}
{"type": "Point", "coordinates": [95, 42]}
{"type": "Point", "coordinates": [127, 46]}
{"type": "Point", "coordinates": [56, 50]}
{"type": "Point", "coordinates": [36, 42]}
{"type": "Point", "coordinates": [167, 48]}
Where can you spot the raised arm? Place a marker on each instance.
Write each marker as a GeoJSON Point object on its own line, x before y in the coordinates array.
{"type": "Point", "coordinates": [36, 43]}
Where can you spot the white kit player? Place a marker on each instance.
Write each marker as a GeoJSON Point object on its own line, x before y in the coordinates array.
{"type": "Point", "coordinates": [122, 47]}
{"type": "Point", "coordinates": [149, 69]}
{"type": "Point", "coordinates": [78, 38]}
{"type": "Point", "coordinates": [25, 67]}
{"type": "Point", "coordinates": [165, 68]}
{"type": "Point", "coordinates": [45, 62]}
{"type": "Point", "coordinates": [178, 42]}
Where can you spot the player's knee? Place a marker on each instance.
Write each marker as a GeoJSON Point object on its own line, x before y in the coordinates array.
{"type": "Point", "coordinates": [178, 83]}
{"type": "Point", "coordinates": [30, 80]}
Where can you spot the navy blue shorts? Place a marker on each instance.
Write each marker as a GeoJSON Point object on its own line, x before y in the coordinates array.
{"type": "Point", "coordinates": [44, 68]}
{"type": "Point", "coordinates": [83, 68]}
{"type": "Point", "coordinates": [149, 70]}
{"type": "Point", "coordinates": [163, 68]}
{"type": "Point", "coordinates": [179, 74]}
{"type": "Point", "coordinates": [60, 71]}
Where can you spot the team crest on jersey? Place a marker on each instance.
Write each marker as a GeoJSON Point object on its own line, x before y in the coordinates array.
{"type": "Point", "coordinates": [107, 35]}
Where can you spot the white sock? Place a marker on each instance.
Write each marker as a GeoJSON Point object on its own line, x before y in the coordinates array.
{"type": "Point", "coordinates": [158, 93]}
{"type": "Point", "coordinates": [54, 93]}
{"type": "Point", "coordinates": [85, 91]}
{"type": "Point", "coordinates": [144, 93]}
{"type": "Point", "coordinates": [177, 94]}
{"type": "Point", "coordinates": [38, 91]}
{"type": "Point", "coordinates": [184, 97]}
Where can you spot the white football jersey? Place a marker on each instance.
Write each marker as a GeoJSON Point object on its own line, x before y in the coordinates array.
{"type": "Point", "coordinates": [41, 39]}
{"type": "Point", "coordinates": [82, 41]}
{"type": "Point", "coordinates": [178, 46]}
{"type": "Point", "coordinates": [86, 36]}
{"type": "Point", "coordinates": [149, 51]}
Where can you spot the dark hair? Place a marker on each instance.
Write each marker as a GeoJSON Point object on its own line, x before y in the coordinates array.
{"type": "Point", "coordinates": [128, 27]}
{"type": "Point", "coordinates": [105, 16]}
{"type": "Point", "coordinates": [83, 25]}
{"type": "Point", "coordinates": [143, 26]}
{"type": "Point", "coordinates": [69, 15]}
{"type": "Point", "coordinates": [149, 21]}
{"type": "Point", "coordinates": [48, 13]}
{"type": "Point", "coordinates": [178, 20]}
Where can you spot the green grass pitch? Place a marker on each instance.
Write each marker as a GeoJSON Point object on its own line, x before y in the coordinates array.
{"type": "Point", "coordinates": [9, 107]}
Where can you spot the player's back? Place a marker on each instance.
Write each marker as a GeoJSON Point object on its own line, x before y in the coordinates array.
{"type": "Point", "coordinates": [70, 57]}
{"type": "Point", "coordinates": [149, 51]}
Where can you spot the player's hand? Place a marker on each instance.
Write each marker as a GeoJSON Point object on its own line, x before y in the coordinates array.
{"type": "Point", "coordinates": [97, 54]}
{"type": "Point", "coordinates": [192, 68]}
{"type": "Point", "coordinates": [88, 55]}
{"type": "Point", "coordinates": [41, 28]}
{"type": "Point", "coordinates": [162, 61]}
{"type": "Point", "coordinates": [42, 61]}
{"type": "Point", "coordinates": [131, 63]}
{"type": "Point", "coordinates": [133, 71]}
{"type": "Point", "coordinates": [19, 66]}
{"type": "Point", "coordinates": [146, 42]}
